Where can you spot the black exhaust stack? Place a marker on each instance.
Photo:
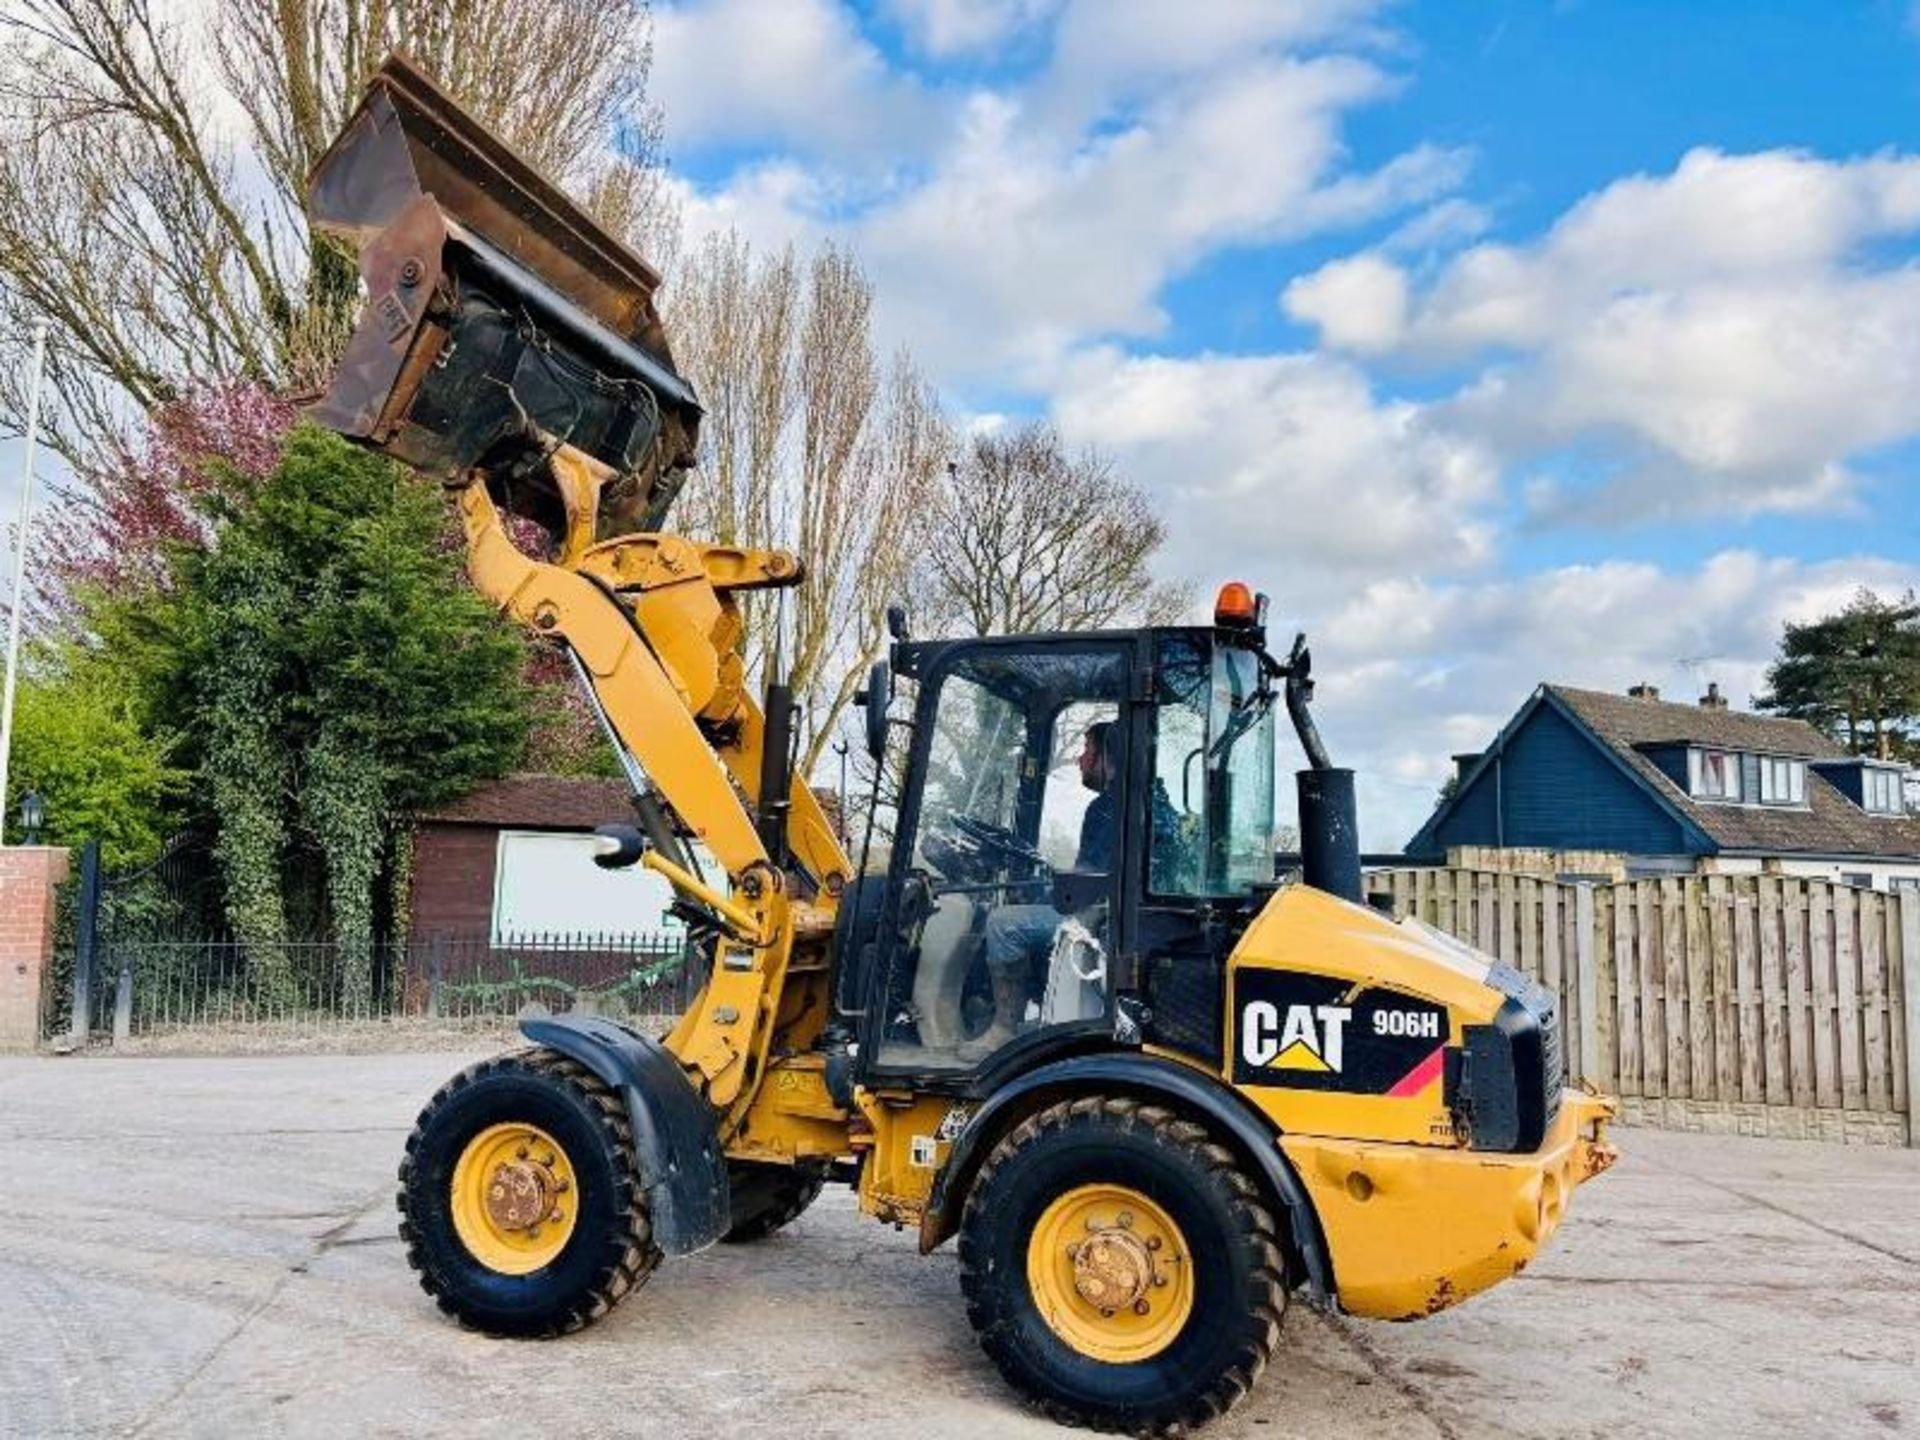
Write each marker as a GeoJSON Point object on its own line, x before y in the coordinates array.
{"type": "Point", "coordinates": [1329, 833]}
{"type": "Point", "coordinates": [1329, 818]}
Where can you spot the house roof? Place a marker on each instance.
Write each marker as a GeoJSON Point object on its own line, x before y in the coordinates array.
{"type": "Point", "coordinates": [539, 802]}
{"type": "Point", "coordinates": [1629, 720]}
{"type": "Point", "coordinates": [1831, 824]}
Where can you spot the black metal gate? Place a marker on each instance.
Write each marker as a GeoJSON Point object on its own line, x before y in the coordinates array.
{"type": "Point", "coordinates": [119, 916]}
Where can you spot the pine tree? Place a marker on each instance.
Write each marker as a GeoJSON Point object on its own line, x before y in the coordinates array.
{"type": "Point", "coordinates": [1855, 675]}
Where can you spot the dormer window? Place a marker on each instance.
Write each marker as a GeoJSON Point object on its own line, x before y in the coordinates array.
{"type": "Point", "coordinates": [1714, 774]}
{"type": "Point", "coordinates": [1880, 791]}
{"type": "Point", "coordinates": [1783, 781]}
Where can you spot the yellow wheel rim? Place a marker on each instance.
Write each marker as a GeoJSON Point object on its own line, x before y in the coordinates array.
{"type": "Point", "coordinates": [515, 1198]}
{"type": "Point", "coordinates": [1110, 1273]}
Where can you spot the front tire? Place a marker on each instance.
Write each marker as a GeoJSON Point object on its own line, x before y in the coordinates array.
{"type": "Point", "coordinates": [520, 1199]}
{"type": "Point", "coordinates": [1120, 1268]}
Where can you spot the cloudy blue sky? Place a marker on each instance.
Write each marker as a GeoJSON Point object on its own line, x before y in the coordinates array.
{"type": "Point", "coordinates": [1500, 342]}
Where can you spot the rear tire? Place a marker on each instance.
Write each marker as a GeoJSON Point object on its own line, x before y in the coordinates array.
{"type": "Point", "coordinates": [766, 1198]}
{"type": "Point", "coordinates": [601, 1255]}
{"type": "Point", "coordinates": [1187, 1345]}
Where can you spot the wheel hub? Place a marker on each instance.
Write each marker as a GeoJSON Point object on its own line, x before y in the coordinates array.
{"type": "Point", "coordinates": [1113, 1270]}
{"type": "Point", "coordinates": [519, 1196]}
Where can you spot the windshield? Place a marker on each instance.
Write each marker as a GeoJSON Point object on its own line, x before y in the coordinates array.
{"type": "Point", "coordinates": [1213, 770]}
{"type": "Point", "coordinates": [1003, 759]}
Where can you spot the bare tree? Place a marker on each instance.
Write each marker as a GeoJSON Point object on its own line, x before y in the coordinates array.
{"type": "Point", "coordinates": [810, 445]}
{"type": "Point", "coordinates": [735, 318]}
{"type": "Point", "coordinates": [152, 178]}
{"type": "Point", "coordinates": [1025, 537]}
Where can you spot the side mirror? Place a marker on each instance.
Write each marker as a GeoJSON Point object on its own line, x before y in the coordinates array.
{"type": "Point", "coordinates": [615, 847]}
{"type": "Point", "coordinates": [875, 699]}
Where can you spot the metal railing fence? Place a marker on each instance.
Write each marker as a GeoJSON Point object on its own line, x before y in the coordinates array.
{"type": "Point", "coordinates": [145, 987]}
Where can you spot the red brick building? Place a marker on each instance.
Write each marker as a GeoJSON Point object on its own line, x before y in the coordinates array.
{"type": "Point", "coordinates": [514, 858]}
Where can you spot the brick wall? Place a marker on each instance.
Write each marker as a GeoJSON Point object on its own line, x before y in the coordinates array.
{"type": "Point", "coordinates": [453, 876]}
{"type": "Point", "coordinates": [28, 877]}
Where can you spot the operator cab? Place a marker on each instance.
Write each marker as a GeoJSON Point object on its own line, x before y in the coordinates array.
{"type": "Point", "coordinates": [1073, 810]}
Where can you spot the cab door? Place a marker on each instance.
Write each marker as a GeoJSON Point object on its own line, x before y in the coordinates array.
{"type": "Point", "coordinates": [1006, 855]}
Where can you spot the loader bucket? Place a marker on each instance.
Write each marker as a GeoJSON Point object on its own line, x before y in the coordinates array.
{"type": "Point", "coordinates": [499, 318]}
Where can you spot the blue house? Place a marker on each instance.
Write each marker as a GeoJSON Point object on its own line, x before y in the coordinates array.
{"type": "Point", "coordinates": [1634, 785]}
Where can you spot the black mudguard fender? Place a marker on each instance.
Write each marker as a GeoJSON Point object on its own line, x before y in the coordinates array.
{"type": "Point", "coordinates": [683, 1170]}
{"type": "Point", "coordinates": [1145, 1076]}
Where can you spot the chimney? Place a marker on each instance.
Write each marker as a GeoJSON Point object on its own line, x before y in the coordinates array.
{"type": "Point", "coordinates": [1644, 691]}
{"type": "Point", "coordinates": [1713, 699]}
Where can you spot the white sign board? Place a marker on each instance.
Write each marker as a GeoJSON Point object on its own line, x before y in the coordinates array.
{"type": "Point", "coordinates": [547, 885]}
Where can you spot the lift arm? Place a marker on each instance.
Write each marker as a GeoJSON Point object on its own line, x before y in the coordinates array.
{"type": "Point", "coordinates": [653, 620]}
{"type": "Point", "coordinates": [509, 348]}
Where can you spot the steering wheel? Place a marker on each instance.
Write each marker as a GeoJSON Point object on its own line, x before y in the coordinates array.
{"type": "Point", "coordinates": [1000, 846]}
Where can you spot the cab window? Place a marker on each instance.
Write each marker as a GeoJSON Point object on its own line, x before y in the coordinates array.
{"type": "Point", "coordinates": [1213, 758]}
{"type": "Point", "coordinates": [1007, 904]}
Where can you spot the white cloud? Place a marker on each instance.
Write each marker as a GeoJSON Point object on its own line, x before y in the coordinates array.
{"type": "Point", "coordinates": [1748, 381]}
{"type": "Point", "coordinates": [1720, 339]}
{"type": "Point", "coordinates": [798, 74]}
{"type": "Point", "coordinates": [1359, 303]}
{"type": "Point", "coordinates": [1053, 243]}
{"type": "Point", "coordinates": [1284, 470]}
{"type": "Point", "coordinates": [1108, 51]}
{"type": "Point", "coordinates": [1450, 223]}
{"type": "Point", "coordinates": [774, 204]}
{"type": "Point", "coordinates": [1728, 220]}
{"type": "Point", "coordinates": [1059, 206]}
{"type": "Point", "coordinates": [948, 28]}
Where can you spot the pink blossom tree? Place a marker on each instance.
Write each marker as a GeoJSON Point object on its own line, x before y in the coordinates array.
{"type": "Point", "coordinates": [114, 527]}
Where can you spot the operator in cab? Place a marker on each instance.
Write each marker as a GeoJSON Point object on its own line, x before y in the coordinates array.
{"type": "Point", "coordinates": [1019, 935]}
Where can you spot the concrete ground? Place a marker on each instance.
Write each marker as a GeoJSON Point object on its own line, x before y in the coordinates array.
{"type": "Point", "coordinates": [206, 1247]}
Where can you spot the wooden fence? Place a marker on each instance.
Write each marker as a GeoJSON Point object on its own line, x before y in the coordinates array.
{"type": "Point", "coordinates": [1763, 1004]}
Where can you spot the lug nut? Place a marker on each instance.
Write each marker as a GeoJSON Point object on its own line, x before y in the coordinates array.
{"type": "Point", "coordinates": [560, 1187]}
{"type": "Point", "coordinates": [1126, 1220]}
{"type": "Point", "coordinates": [1073, 1251]}
{"type": "Point", "coordinates": [1106, 1314]}
{"type": "Point", "coordinates": [1159, 1280]}
{"type": "Point", "coordinates": [533, 1232]}
{"type": "Point", "coordinates": [1153, 1242]}
{"type": "Point", "coordinates": [1140, 1307]}
{"type": "Point", "coordinates": [521, 1153]}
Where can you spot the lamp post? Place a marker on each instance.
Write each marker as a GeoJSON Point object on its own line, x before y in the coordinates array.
{"type": "Point", "coordinates": [33, 815]}
{"type": "Point", "coordinates": [20, 565]}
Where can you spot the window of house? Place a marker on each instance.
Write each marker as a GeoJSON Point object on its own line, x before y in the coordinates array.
{"type": "Point", "coordinates": [1880, 791]}
{"type": "Point", "coordinates": [1715, 774]}
{"type": "Point", "coordinates": [1782, 781]}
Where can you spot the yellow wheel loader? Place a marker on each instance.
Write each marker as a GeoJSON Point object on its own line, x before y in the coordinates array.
{"type": "Point", "coordinates": [1071, 1020]}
